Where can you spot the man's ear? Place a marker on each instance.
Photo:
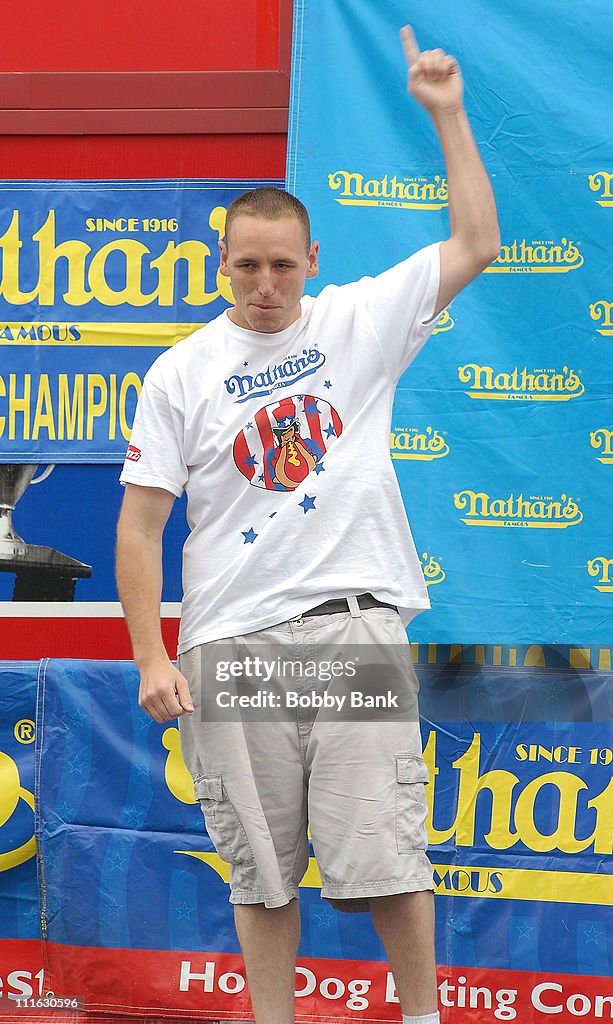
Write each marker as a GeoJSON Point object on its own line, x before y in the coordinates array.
{"type": "Point", "coordinates": [223, 259]}
{"type": "Point", "coordinates": [313, 260]}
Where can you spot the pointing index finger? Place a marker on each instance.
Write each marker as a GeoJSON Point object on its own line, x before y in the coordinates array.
{"type": "Point", "coordinates": [409, 42]}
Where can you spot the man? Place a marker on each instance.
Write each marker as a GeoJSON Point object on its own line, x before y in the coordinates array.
{"type": "Point", "coordinates": [325, 559]}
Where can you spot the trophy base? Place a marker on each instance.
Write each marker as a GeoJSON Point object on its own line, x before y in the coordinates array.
{"type": "Point", "coordinates": [43, 574]}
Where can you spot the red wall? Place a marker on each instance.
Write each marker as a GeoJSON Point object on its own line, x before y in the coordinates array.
{"type": "Point", "coordinates": [222, 71]}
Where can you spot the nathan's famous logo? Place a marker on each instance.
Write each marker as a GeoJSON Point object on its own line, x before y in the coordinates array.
{"type": "Point", "coordinates": [285, 441]}
{"type": "Point", "coordinates": [512, 817]}
{"type": "Point", "coordinates": [603, 311]}
{"type": "Point", "coordinates": [543, 257]}
{"type": "Point", "coordinates": [602, 182]}
{"type": "Point", "coordinates": [432, 570]}
{"type": "Point", "coordinates": [527, 385]}
{"type": "Point", "coordinates": [602, 568]}
{"type": "Point", "coordinates": [407, 193]}
{"type": "Point", "coordinates": [124, 270]}
{"type": "Point", "coordinates": [603, 439]}
{"type": "Point", "coordinates": [16, 815]}
{"type": "Point", "coordinates": [534, 512]}
{"type": "Point", "coordinates": [290, 370]}
{"type": "Point", "coordinates": [411, 443]}
{"type": "Point", "coordinates": [446, 323]}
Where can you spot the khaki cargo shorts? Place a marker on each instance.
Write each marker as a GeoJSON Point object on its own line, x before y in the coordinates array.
{"type": "Point", "coordinates": [356, 776]}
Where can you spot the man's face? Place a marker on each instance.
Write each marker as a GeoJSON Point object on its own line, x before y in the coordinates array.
{"type": "Point", "coordinates": [267, 262]}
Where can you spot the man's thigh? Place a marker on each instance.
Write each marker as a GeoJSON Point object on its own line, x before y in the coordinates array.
{"type": "Point", "coordinates": [250, 779]}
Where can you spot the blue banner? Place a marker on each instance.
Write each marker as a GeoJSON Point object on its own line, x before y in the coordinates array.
{"type": "Point", "coordinates": [97, 278]}
{"type": "Point", "coordinates": [519, 748]}
{"type": "Point", "coordinates": [502, 433]}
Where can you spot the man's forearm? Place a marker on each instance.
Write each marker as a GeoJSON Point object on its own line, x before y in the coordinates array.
{"type": "Point", "coordinates": [139, 582]}
{"type": "Point", "coordinates": [472, 209]}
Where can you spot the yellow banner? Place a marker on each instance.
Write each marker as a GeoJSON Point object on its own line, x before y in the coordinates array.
{"type": "Point", "coordinates": [488, 882]}
{"type": "Point", "coordinates": [77, 335]}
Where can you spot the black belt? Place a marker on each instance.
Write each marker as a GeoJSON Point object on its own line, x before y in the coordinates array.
{"type": "Point", "coordinates": [341, 604]}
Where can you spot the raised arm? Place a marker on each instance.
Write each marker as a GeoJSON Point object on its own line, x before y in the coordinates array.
{"type": "Point", "coordinates": [436, 83]}
{"type": "Point", "coordinates": [164, 692]}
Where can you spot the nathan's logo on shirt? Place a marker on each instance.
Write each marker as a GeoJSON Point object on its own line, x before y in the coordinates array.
{"type": "Point", "coordinates": [602, 567]}
{"type": "Point", "coordinates": [432, 570]}
{"type": "Point", "coordinates": [537, 257]}
{"type": "Point", "coordinates": [133, 454]}
{"type": "Point", "coordinates": [292, 369]}
{"type": "Point", "coordinates": [602, 182]}
{"type": "Point", "coordinates": [515, 510]}
{"type": "Point", "coordinates": [446, 323]}
{"type": "Point", "coordinates": [602, 439]}
{"type": "Point", "coordinates": [286, 441]}
{"type": "Point", "coordinates": [603, 311]}
{"type": "Point", "coordinates": [517, 385]}
{"type": "Point", "coordinates": [405, 193]}
{"type": "Point", "coordinates": [411, 443]}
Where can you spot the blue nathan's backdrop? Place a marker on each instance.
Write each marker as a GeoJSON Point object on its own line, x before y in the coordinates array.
{"type": "Point", "coordinates": [502, 432]}
{"type": "Point", "coordinates": [98, 278]}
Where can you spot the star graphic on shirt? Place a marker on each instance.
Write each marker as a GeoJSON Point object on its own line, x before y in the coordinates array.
{"type": "Point", "coordinates": [249, 426]}
{"type": "Point", "coordinates": [330, 431]}
{"type": "Point", "coordinates": [246, 362]}
{"type": "Point", "coordinates": [261, 476]}
{"type": "Point", "coordinates": [249, 535]}
{"type": "Point", "coordinates": [327, 383]}
{"type": "Point", "coordinates": [311, 406]}
{"type": "Point", "coordinates": [272, 515]}
{"type": "Point", "coordinates": [307, 503]}
{"type": "Point", "coordinates": [250, 461]}
{"type": "Point", "coordinates": [320, 468]}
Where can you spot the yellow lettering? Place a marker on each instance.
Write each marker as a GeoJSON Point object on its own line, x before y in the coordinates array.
{"type": "Point", "coordinates": [74, 252]}
{"type": "Point", "coordinates": [43, 414]}
{"type": "Point", "coordinates": [96, 407]}
{"type": "Point", "coordinates": [19, 405]}
{"type": "Point", "coordinates": [70, 414]}
{"type": "Point", "coordinates": [131, 292]}
{"type": "Point", "coordinates": [10, 244]}
{"type": "Point", "coordinates": [131, 380]}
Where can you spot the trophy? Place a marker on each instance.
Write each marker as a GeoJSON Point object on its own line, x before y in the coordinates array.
{"type": "Point", "coordinates": [43, 574]}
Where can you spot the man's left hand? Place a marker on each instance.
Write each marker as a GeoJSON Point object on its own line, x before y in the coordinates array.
{"type": "Point", "coordinates": [434, 77]}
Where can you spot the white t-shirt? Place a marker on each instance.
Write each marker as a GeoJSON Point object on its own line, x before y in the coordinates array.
{"type": "Point", "coordinates": [281, 442]}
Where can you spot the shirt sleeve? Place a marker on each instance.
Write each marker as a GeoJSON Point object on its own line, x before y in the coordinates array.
{"type": "Point", "coordinates": [400, 303]}
{"type": "Point", "coordinates": [155, 454]}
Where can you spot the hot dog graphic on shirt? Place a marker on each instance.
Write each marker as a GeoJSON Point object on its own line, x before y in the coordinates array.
{"type": "Point", "coordinates": [286, 441]}
{"type": "Point", "coordinates": [295, 457]}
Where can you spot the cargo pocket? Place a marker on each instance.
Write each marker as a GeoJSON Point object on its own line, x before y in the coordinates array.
{"type": "Point", "coordinates": [222, 822]}
{"type": "Point", "coordinates": [411, 807]}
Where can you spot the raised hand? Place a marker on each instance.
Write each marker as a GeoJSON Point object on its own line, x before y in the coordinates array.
{"type": "Point", "coordinates": [434, 76]}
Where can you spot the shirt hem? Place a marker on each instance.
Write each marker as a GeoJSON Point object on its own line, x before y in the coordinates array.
{"type": "Point", "coordinates": [242, 629]}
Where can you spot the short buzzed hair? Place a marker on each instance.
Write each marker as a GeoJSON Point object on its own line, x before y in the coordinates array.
{"type": "Point", "coordinates": [270, 203]}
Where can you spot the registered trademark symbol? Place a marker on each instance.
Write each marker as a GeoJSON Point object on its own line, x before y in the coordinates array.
{"type": "Point", "coordinates": [25, 731]}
